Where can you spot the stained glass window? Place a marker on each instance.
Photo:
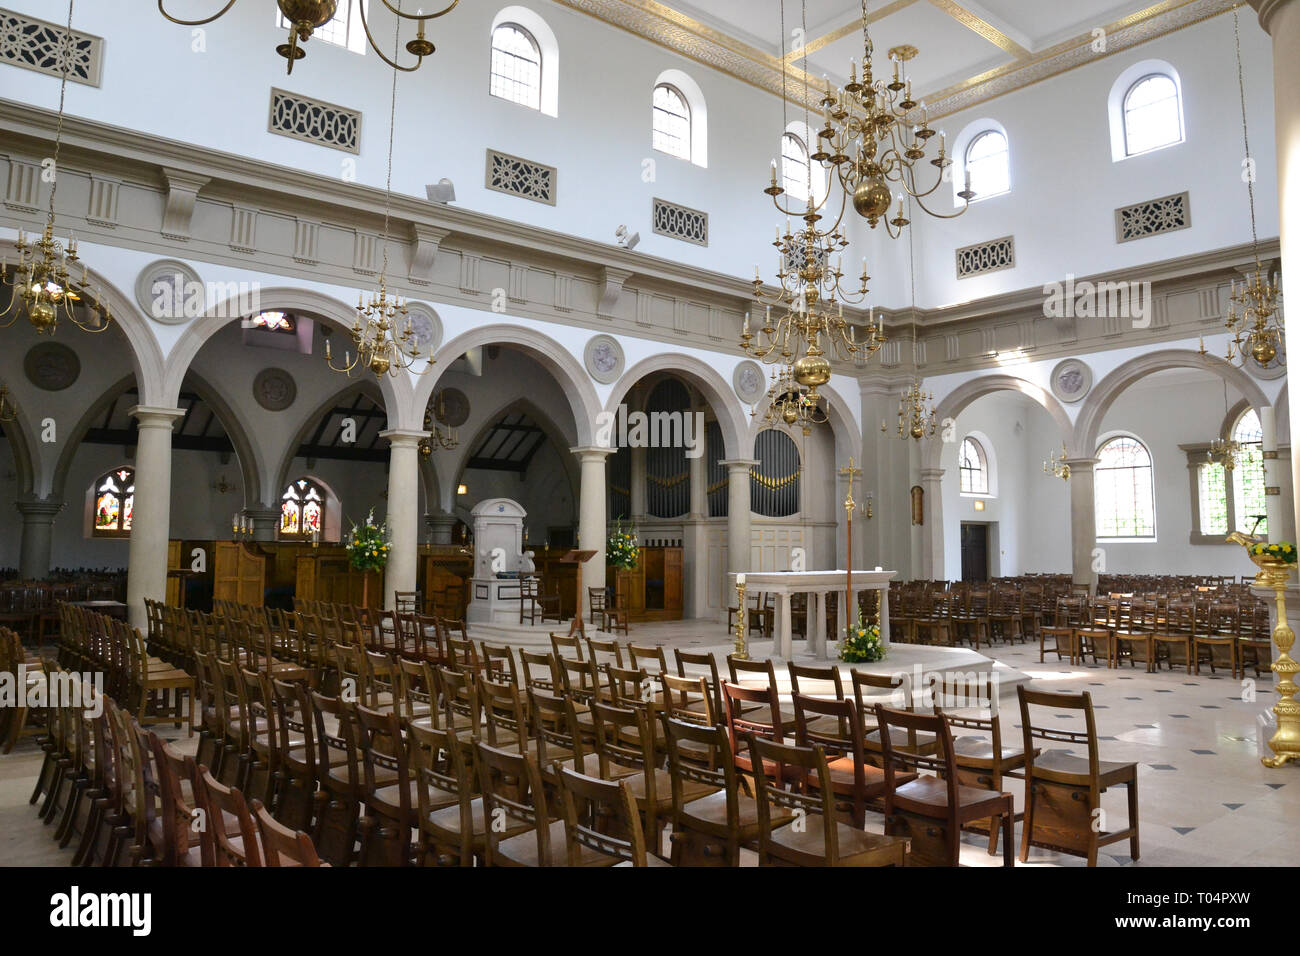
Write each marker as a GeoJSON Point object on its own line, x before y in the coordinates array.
{"type": "Point", "coordinates": [1124, 490]}
{"type": "Point", "coordinates": [1153, 116]}
{"type": "Point", "coordinates": [114, 503]}
{"type": "Point", "coordinates": [302, 509]}
{"type": "Point", "coordinates": [516, 66]}
{"type": "Point", "coordinates": [974, 468]}
{"type": "Point", "coordinates": [1248, 476]}
{"type": "Point", "coordinates": [273, 322]}
{"type": "Point", "coordinates": [671, 125]}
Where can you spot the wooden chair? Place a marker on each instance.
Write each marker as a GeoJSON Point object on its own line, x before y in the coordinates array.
{"type": "Point", "coordinates": [856, 784]}
{"type": "Point", "coordinates": [710, 664]}
{"type": "Point", "coordinates": [601, 821]}
{"type": "Point", "coordinates": [1063, 792]}
{"type": "Point", "coordinates": [339, 776]}
{"type": "Point", "coordinates": [281, 845]}
{"type": "Point", "coordinates": [1062, 640]}
{"type": "Point", "coordinates": [513, 793]}
{"type": "Point", "coordinates": [388, 792]}
{"type": "Point", "coordinates": [820, 838]}
{"type": "Point", "coordinates": [603, 652]}
{"type": "Point", "coordinates": [1219, 634]}
{"type": "Point", "coordinates": [529, 605]}
{"type": "Point", "coordinates": [970, 701]}
{"type": "Point", "coordinates": [933, 808]}
{"type": "Point", "coordinates": [690, 699]}
{"type": "Point", "coordinates": [451, 834]}
{"type": "Point", "coordinates": [240, 849]}
{"type": "Point", "coordinates": [567, 645]}
{"type": "Point", "coordinates": [866, 688]}
{"type": "Point", "coordinates": [182, 827]}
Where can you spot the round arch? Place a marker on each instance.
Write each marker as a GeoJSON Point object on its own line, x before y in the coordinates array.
{"type": "Point", "coordinates": [720, 395]}
{"type": "Point", "coordinates": [956, 401]}
{"type": "Point", "coordinates": [72, 439]}
{"type": "Point", "coordinates": [550, 354]}
{"type": "Point", "coordinates": [22, 445]}
{"type": "Point", "coordinates": [281, 476]}
{"type": "Point", "coordinates": [1105, 392]}
{"type": "Point", "coordinates": [396, 391]}
{"type": "Point", "coordinates": [543, 421]}
{"type": "Point", "coordinates": [146, 354]}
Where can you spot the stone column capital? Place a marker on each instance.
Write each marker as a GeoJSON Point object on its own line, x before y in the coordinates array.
{"type": "Point", "coordinates": [932, 474]}
{"type": "Point", "coordinates": [1268, 10]}
{"type": "Point", "coordinates": [1081, 464]}
{"type": "Point", "coordinates": [403, 438]}
{"type": "Point", "coordinates": [38, 508]}
{"type": "Point", "coordinates": [587, 453]}
{"type": "Point", "coordinates": [154, 416]}
{"type": "Point", "coordinates": [734, 465]}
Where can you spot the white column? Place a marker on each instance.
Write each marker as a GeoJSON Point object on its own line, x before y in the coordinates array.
{"type": "Point", "coordinates": [403, 511]}
{"type": "Point", "coordinates": [38, 529]}
{"type": "Point", "coordinates": [1083, 521]}
{"type": "Point", "coordinates": [933, 563]}
{"type": "Point", "coordinates": [1281, 20]}
{"type": "Point", "coordinates": [1278, 505]}
{"type": "Point", "coordinates": [146, 575]}
{"type": "Point", "coordinates": [739, 556]}
{"type": "Point", "coordinates": [592, 526]}
{"type": "Point", "coordinates": [695, 543]}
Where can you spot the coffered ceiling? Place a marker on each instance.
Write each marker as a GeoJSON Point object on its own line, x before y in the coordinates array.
{"type": "Point", "coordinates": [968, 51]}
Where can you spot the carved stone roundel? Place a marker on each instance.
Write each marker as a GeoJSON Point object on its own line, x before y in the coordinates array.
{"type": "Point", "coordinates": [604, 358]}
{"type": "Point", "coordinates": [426, 325]}
{"type": "Point", "coordinates": [51, 366]}
{"type": "Point", "coordinates": [164, 288]}
{"type": "Point", "coordinates": [1071, 380]}
{"type": "Point", "coordinates": [274, 389]}
{"type": "Point", "coordinates": [748, 382]}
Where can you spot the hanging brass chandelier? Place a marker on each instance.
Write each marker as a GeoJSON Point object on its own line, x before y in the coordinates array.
{"type": "Point", "coordinates": [1056, 466]}
{"type": "Point", "coordinates": [305, 17]}
{"type": "Point", "coordinates": [382, 333]}
{"type": "Point", "coordinates": [915, 420]}
{"type": "Point", "coordinates": [1254, 306]}
{"type": "Point", "coordinates": [791, 404]}
{"type": "Point", "coordinates": [441, 435]}
{"type": "Point", "coordinates": [1227, 452]}
{"type": "Point", "coordinates": [44, 288]}
{"type": "Point", "coordinates": [870, 138]}
{"type": "Point", "coordinates": [8, 410]}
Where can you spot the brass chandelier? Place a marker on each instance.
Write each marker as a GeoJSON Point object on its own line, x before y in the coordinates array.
{"type": "Point", "coordinates": [1254, 309]}
{"type": "Point", "coordinates": [441, 435]}
{"type": "Point", "coordinates": [789, 403]}
{"type": "Point", "coordinates": [1056, 466]}
{"type": "Point", "coordinates": [916, 414]}
{"type": "Point", "coordinates": [382, 332]}
{"type": "Point", "coordinates": [869, 139]}
{"type": "Point", "coordinates": [307, 16]}
{"type": "Point", "coordinates": [8, 410]}
{"type": "Point", "coordinates": [41, 279]}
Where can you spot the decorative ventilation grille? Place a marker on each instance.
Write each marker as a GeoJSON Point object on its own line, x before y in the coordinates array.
{"type": "Point", "coordinates": [796, 260]}
{"type": "Point", "coordinates": [680, 222]}
{"type": "Point", "coordinates": [986, 257]}
{"type": "Point", "coordinates": [37, 45]}
{"type": "Point", "coordinates": [1151, 218]}
{"type": "Point", "coordinates": [315, 121]}
{"type": "Point", "coordinates": [521, 177]}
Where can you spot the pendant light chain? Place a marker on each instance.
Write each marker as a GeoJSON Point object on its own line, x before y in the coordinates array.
{"type": "Point", "coordinates": [1245, 138]}
{"type": "Point", "coordinates": [63, 91]}
{"type": "Point", "coordinates": [392, 123]}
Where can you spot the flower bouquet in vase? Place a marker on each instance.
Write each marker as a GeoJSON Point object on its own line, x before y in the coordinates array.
{"type": "Point", "coordinates": [862, 643]}
{"type": "Point", "coordinates": [368, 546]}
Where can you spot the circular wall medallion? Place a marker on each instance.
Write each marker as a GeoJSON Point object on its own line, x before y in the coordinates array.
{"type": "Point", "coordinates": [749, 382]}
{"type": "Point", "coordinates": [604, 358]}
{"type": "Point", "coordinates": [274, 389]}
{"type": "Point", "coordinates": [451, 407]}
{"type": "Point", "coordinates": [51, 366]}
{"type": "Point", "coordinates": [164, 287]}
{"type": "Point", "coordinates": [1071, 380]}
{"type": "Point", "coordinates": [426, 325]}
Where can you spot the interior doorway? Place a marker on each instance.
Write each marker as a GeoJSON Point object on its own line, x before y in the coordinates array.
{"type": "Point", "coordinates": [974, 551]}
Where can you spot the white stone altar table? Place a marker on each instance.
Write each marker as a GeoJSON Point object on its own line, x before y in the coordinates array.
{"type": "Point", "coordinates": [816, 584]}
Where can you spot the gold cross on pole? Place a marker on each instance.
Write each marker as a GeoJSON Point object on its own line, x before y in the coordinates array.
{"type": "Point", "coordinates": [850, 472]}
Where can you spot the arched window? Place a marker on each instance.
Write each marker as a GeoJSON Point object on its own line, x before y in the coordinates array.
{"type": "Point", "coordinates": [774, 481]}
{"type": "Point", "coordinates": [973, 465]}
{"type": "Point", "coordinates": [516, 66]}
{"type": "Point", "coordinates": [302, 509]}
{"type": "Point", "coordinates": [795, 171]}
{"type": "Point", "coordinates": [1248, 476]}
{"type": "Point", "coordinates": [1153, 116]}
{"type": "Point", "coordinates": [671, 122]}
{"type": "Point", "coordinates": [114, 497]}
{"type": "Point", "coordinates": [1124, 490]}
{"type": "Point", "coordinates": [988, 164]}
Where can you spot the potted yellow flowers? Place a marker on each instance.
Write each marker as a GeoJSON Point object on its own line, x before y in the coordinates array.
{"type": "Point", "coordinates": [862, 643]}
{"type": "Point", "coordinates": [368, 546]}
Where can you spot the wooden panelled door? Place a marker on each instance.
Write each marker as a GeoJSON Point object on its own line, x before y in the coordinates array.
{"type": "Point", "coordinates": [974, 551]}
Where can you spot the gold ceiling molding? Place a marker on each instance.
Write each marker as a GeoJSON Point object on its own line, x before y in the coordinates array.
{"type": "Point", "coordinates": [674, 30]}
{"type": "Point", "coordinates": [982, 27]}
{"type": "Point", "coordinates": [854, 26]}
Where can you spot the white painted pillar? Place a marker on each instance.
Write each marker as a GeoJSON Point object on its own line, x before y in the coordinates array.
{"type": "Point", "coordinates": [739, 539]}
{"type": "Point", "coordinates": [146, 575]}
{"type": "Point", "coordinates": [1279, 506]}
{"type": "Point", "coordinates": [38, 531]}
{"type": "Point", "coordinates": [933, 560]}
{"type": "Point", "coordinates": [1083, 521]}
{"type": "Point", "coordinates": [1281, 20]}
{"type": "Point", "coordinates": [695, 543]}
{"type": "Point", "coordinates": [592, 525]}
{"type": "Point", "coordinates": [403, 511]}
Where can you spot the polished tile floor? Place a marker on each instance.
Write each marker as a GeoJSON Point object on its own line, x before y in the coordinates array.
{"type": "Point", "coordinates": [1204, 797]}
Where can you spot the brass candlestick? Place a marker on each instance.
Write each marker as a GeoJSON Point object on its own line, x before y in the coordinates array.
{"type": "Point", "coordinates": [1275, 574]}
{"type": "Point", "coordinates": [741, 651]}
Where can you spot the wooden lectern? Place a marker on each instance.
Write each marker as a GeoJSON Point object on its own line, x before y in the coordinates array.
{"type": "Point", "coordinates": [578, 558]}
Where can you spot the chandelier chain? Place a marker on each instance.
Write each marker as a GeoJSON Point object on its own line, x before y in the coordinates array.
{"type": "Point", "coordinates": [1245, 137]}
{"type": "Point", "coordinates": [392, 123]}
{"type": "Point", "coordinates": [65, 65]}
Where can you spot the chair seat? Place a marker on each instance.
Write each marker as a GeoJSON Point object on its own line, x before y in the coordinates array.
{"type": "Point", "coordinates": [925, 743]}
{"type": "Point", "coordinates": [930, 794]}
{"type": "Point", "coordinates": [843, 779]}
{"type": "Point", "coordinates": [636, 783]}
{"type": "Point", "coordinates": [522, 850]}
{"type": "Point", "coordinates": [856, 847]}
{"type": "Point", "coordinates": [1063, 767]}
{"type": "Point", "coordinates": [980, 749]}
{"type": "Point", "coordinates": [711, 811]}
